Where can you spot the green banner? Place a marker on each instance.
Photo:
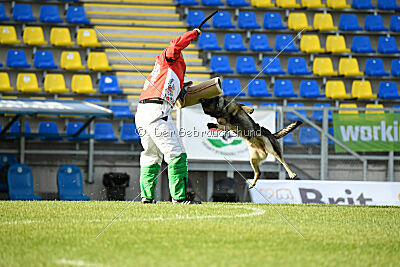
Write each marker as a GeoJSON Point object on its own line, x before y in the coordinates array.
{"type": "Point", "coordinates": [367, 132]}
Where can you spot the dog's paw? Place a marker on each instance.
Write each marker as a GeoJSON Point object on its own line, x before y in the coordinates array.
{"type": "Point", "coordinates": [292, 175]}
{"type": "Point", "coordinates": [252, 185]}
{"type": "Point", "coordinates": [211, 125]}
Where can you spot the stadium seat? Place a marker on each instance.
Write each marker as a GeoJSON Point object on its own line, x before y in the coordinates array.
{"type": "Point", "coordinates": [291, 116]}
{"type": "Point", "coordinates": [55, 83]}
{"type": "Point", "coordinates": [121, 111]}
{"type": "Point", "coordinates": [234, 42]}
{"type": "Point", "coordinates": [208, 41]}
{"type": "Point", "coordinates": [323, 67]}
{"type": "Point", "coordinates": [87, 38]}
{"type": "Point", "coordinates": [103, 131]}
{"type": "Point", "coordinates": [362, 44]}
{"type": "Point", "coordinates": [76, 15]}
{"type": "Point", "coordinates": [23, 13]}
{"type": "Point", "coordinates": [16, 129]}
{"type": "Point", "coordinates": [336, 44]}
{"type": "Point", "coordinates": [362, 90]}
{"type": "Point", "coordinates": [269, 104]}
{"type": "Point", "coordinates": [70, 184]}
{"type": "Point", "coordinates": [108, 84]}
{"type": "Point", "coordinates": [298, 66]}
{"type": "Point", "coordinates": [349, 67]}
{"type": "Point", "coordinates": [73, 128]}
{"type": "Point", "coordinates": [337, 4]}
{"type": "Point", "coordinates": [287, 3]}
{"type": "Point", "coordinates": [348, 105]}
{"type": "Point", "coordinates": [237, 3]}
{"type": "Point", "coordinates": [60, 37]}
{"type": "Point", "coordinates": [374, 67]}
{"type": "Point", "coordinates": [374, 106]}
{"type": "Point", "coordinates": [93, 101]}
{"type": "Point", "coordinates": [395, 68]}
{"type": "Point", "coordinates": [362, 4]}
{"type": "Point", "coordinates": [188, 2]}
{"type": "Point", "coordinates": [310, 44]}
{"type": "Point", "coordinates": [50, 14]}
{"type": "Point", "coordinates": [331, 132]}
{"type": "Point", "coordinates": [195, 17]}
{"type": "Point", "coordinates": [20, 183]}
{"type": "Point", "coordinates": [44, 60]}
{"type": "Point", "coordinates": [374, 23]}
{"type": "Point", "coordinates": [212, 3]}
{"type": "Point", "coordinates": [220, 64]}
{"type": "Point", "coordinates": [3, 16]}
{"type": "Point", "coordinates": [129, 133]}
{"type": "Point", "coordinates": [388, 5]}
{"type": "Point", "coordinates": [312, 4]}
{"type": "Point", "coordinates": [71, 60]}
{"type": "Point", "coordinates": [324, 22]}
{"type": "Point", "coordinates": [82, 84]}
{"type": "Point", "coordinates": [319, 114]}
{"type": "Point", "coordinates": [310, 89]}
{"type": "Point", "coordinates": [17, 59]}
{"type": "Point", "coordinates": [8, 35]}
{"type": "Point", "coordinates": [246, 65]}
{"type": "Point", "coordinates": [285, 42]}
{"type": "Point", "coordinates": [48, 128]}
{"type": "Point", "coordinates": [289, 140]}
{"type": "Point", "coordinates": [309, 136]}
{"type": "Point", "coordinates": [258, 88]}
{"type": "Point", "coordinates": [5, 82]}
{"type": "Point", "coordinates": [7, 159]}
{"type": "Point", "coordinates": [388, 90]}
{"type": "Point", "coordinates": [336, 90]}
{"type": "Point", "coordinates": [222, 20]}
{"type": "Point", "coordinates": [232, 87]}
{"type": "Point", "coordinates": [273, 21]}
{"type": "Point", "coordinates": [349, 22]}
{"type": "Point", "coordinates": [387, 45]}
{"type": "Point", "coordinates": [247, 20]}
{"type": "Point", "coordinates": [259, 43]}
{"type": "Point", "coordinates": [262, 3]}
{"type": "Point", "coordinates": [397, 107]}
{"type": "Point", "coordinates": [284, 88]}
{"type": "Point", "coordinates": [98, 61]}
{"type": "Point", "coordinates": [298, 21]}
{"type": "Point", "coordinates": [395, 23]}
{"type": "Point", "coordinates": [272, 66]}
{"type": "Point", "coordinates": [27, 83]}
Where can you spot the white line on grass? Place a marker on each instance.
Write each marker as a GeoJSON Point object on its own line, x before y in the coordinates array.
{"type": "Point", "coordinates": [76, 263]}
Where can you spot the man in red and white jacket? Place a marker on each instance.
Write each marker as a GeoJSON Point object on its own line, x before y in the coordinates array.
{"type": "Point", "coordinates": [159, 135]}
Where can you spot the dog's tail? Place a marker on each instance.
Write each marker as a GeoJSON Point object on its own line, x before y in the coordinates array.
{"type": "Point", "coordinates": [287, 129]}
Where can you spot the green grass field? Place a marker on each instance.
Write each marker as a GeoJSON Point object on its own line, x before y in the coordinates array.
{"type": "Point", "coordinates": [63, 234]}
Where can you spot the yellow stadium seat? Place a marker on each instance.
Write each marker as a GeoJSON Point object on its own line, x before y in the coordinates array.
{"type": "Point", "coordinates": [336, 89]}
{"type": "Point", "coordinates": [82, 84]}
{"type": "Point", "coordinates": [324, 22]}
{"type": "Point", "coordinates": [362, 90]}
{"type": "Point", "coordinates": [60, 37]}
{"type": "Point", "coordinates": [55, 83]}
{"type": "Point", "coordinates": [323, 67]}
{"type": "Point", "coordinates": [336, 44]}
{"type": "Point", "coordinates": [312, 3]}
{"type": "Point", "coordinates": [27, 83]}
{"type": "Point", "coordinates": [87, 38]}
{"type": "Point", "coordinates": [71, 60]}
{"type": "Point", "coordinates": [8, 35]}
{"type": "Point", "coordinates": [5, 82]}
{"type": "Point", "coordinates": [262, 3]}
{"type": "Point", "coordinates": [374, 111]}
{"type": "Point", "coordinates": [339, 4]}
{"type": "Point", "coordinates": [98, 61]}
{"type": "Point", "coordinates": [349, 67]}
{"type": "Point", "coordinates": [34, 36]}
{"type": "Point", "coordinates": [310, 44]}
{"type": "Point", "coordinates": [287, 3]}
{"type": "Point", "coordinates": [298, 21]}
{"type": "Point", "coordinates": [348, 105]}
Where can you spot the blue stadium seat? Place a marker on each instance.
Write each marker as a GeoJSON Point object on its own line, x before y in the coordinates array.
{"type": "Point", "coordinates": [374, 23]}
{"type": "Point", "coordinates": [220, 64]}
{"type": "Point", "coordinates": [388, 5]}
{"type": "Point", "coordinates": [310, 89]}
{"type": "Point", "coordinates": [70, 183]}
{"type": "Point", "coordinates": [291, 116]}
{"type": "Point", "coordinates": [259, 43]}
{"type": "Point", "coordinates": [388, 90]}
{"type": "Point", "coordinates": [249, 104]}
{"type": "Point", "coordinates": [309, 136]}
{"type": "Point", "coordinates": [49, 128]}
{"type": "Point", "coordinates": [1, 64]}
{"type": "Point", "coordinates": [20, 183]}
{"type": "Point", "coordinates": [246, 65]}
{"type": "Point", "coordinates": [3, 16]}
{"type": "Point", "coordinates": [232, 87]}
{"type": "Point", "coordinates": [129, 133]}
{"type": "Point", "coordinates": [103, 131]}
{"type": "Point", "coordinates": [349, 22]}
{"type": "Point", "coordinates": [23, 12]}
{"type": "Point", "coordinates": [6, 159]}
{"type": "Point", "coordinates": [374, 67]}
{"type": "Point", "coordinates": [362, 4]}
{"type": "Point", "coordinates": [212, 2]}
{"type": "Point", "coordinates": [269, 104]}
{"type": "Point", "coordinates": [50, 14]}
{"type": "Point", "coordinates": [396, 106]}
{"type": "Point", "coordinates": [318, 114]}
{"type": "Point", "coordinates": [289, 140]}
{"type": "Point", "coordinates": [395, 68]}
{"type": "Point", "coordinates": [17, 59]}
{"type": "Point", "coordinates": [93, 100]}
{"type": "Point", "coordinates": [247, 20]}
{"type": "Point", "coordinates": [298, 66]}
{"type": "Point", "coordinates": [76, 15]}
{"type": "Point", "coordinates": [272, 66]}
{"type": "Point", "coordinates": [223, 20]}
{"type": "Point", "coordinates": [44, 60]}
{"type": "Point", "coordinates": [237, 3]}
{"type": "Point", "coordinates": [73, 128]}
{"type": "Point", "coordinates": [108, 84]}
{"type": "Point", "coordinates": [121, 111]}
{"type": "Point", "coordinates": [16, 128]}
{"type": "Point", "coordinates": [234, 42]}
{"type": "Point", "coordinates": [208, 41]}
{"type": "Point", "coordinates": [284, 88]}
{"type": "Point", "coordinates": [330, 131]}
{"type": "Point", "coordinates": [285, 42]}
{"type": "Point", "coordinates": [273, 21]}
{"type": "Point", "coordinates": [195, 17]}
{"type": "Point", "coordinates": [362, 44]}
{"type": "Point", "coordinates": [258, 88]}
{"type": "Point", "coordinates": [387, 45]}
{"type": "Point", "coordinates": [188, 2]}
{"type": "Point", "coordinates": [395, 23]}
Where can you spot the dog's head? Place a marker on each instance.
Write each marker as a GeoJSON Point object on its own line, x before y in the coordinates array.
{"type": "Point", "coordinates": [213, 106]}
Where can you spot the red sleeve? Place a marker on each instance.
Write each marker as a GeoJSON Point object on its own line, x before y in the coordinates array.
{"type": "Point", "coordinates": [178, 44]}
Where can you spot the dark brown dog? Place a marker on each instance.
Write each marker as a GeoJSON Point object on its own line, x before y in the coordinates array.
{"type": "Point", "coordinates": [234, 116]}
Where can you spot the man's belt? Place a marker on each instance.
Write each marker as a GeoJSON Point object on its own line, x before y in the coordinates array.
{"type": "Point", "coordinates": [152, 101]}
